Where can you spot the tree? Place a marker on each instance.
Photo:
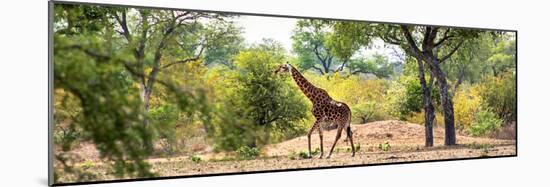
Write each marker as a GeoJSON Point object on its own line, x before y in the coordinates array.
{"type": "Point", "coordinates": [109, 60]}
{"type": "Point", "coordinates": [377, 64]}
{"type": "Point", "coordinates": [424, 44]}
{"type": "Point", "coordinates": [160, 39]}
{"type": "Point", "coordinates": [311, 44]}
{"type": "Point", "coordinates": [265, 104]}
{"type": "Point", "coordinates": [225, 48]}
{"type": "Point", "coordinates": [503, 54]}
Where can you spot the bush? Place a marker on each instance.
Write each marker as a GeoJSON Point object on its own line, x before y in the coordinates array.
{"type": "Point", "coordinates": [67, 114]}
{"type": "Point", "coordinates": [263, 105]}
{"type": "Point", "coordinates": [485, 122]}
{"type": "Point", "coordinates": [164, 119]}
{"type": "Point", "coordinates": [87, 164]}
{"type": "Point", "coordinates": [384, 146]}
{"type": "Point", "coordinates": [65, 136]}
{"type": "Point", "coordinates": [467, 102]}
{"type": "Point", "coordinates": [499, 93]}
{"type": "Point", "coordinates": [405, 97]}
{"type": "Point", "coordinates": [366, 97]}
{"type": "Point", "coordinates": [363, 112]}
{"type": "Point", "coordinates": [195, 159]}
{"type": "Point", "coordinates": [304, 154]}
{"type": "Point", "coordinates": [247, 153]}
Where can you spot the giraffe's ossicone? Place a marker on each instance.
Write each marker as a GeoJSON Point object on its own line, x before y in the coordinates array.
{"type": "Point", "coordinates": [325, 109]}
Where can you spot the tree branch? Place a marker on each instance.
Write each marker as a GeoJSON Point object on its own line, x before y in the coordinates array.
{"type": "Point", "coordinates": [89, 52]}
{"type": "Point", "coordinates": [445, 37]}
{"type": "Point", "coordinates": [410, 40]}
{"type": "Point", "coordinates": [318, 69]}
{"type": "Point", "coordinates": [451, 52]}
{"type": "Point", "coordinates": [124, 25]}
{"type": "Point", "coordinates": [341, 66]}
{"type": "Point", "coordinates": [186, 60]}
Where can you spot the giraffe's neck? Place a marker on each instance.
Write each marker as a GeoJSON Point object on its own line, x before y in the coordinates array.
{"type": "Point", "coordinates": [307, 88]}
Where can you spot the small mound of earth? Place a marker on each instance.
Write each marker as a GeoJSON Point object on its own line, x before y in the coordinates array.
{"type": "Point", "coordinates": [399, 134]}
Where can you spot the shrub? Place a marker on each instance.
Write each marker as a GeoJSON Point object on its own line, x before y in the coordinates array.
{"type": "Point", "coordinates": [263, 105]}
{"type": "Point", "coordinates": [304, 154]}
{"type": "Point", "coordinates": [366, 97]}
{"type": "Point", "coordinates": [485, 122]}
{"type": "Point", "coordinates": [384, 146]}
{"type": "Point", "coordinates": [87, 165]}
{"type": "Point", "coordinates": [357, 147]}
{"type": "Point", "coordinates": [67, 115]}
{"type": "Point", "coordinates": [363, 112]}
{"type": "Point", "coordinates": [292, 156]}
{"type": "Point", "coordinates": [405, 97]}
{"type": "Point", "coordinates": [164, 119]}
{"type": "Point", "coordinates": [247, 153]}
{"type": "Point", "coordinates": [467, 101]}
{"type": "Point", "coordinates": [195, 159]}
{"type": "Point", "coordinates": [66, 136]}
{"type": "Point", "coordinates": [499, 93]}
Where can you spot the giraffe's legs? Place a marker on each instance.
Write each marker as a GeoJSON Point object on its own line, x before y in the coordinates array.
{"type": "Point", "coordinates": [338, 134]}
{"type": "Point", "coordinates": [309, 136]}
{"type": "Point", "coordinates": [350, 137]}
{"type": "Point", "coordinates": [320, 139]}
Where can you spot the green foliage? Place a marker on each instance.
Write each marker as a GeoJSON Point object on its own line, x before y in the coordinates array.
{"type": "Point", "coordinates": [101, 67]}
{"type": "Point", "coordinates": [377, 64]}
{"type": "Point", "coordinates": [485, 122]}
{"type": "Point", "coordinates": [267, 106]}
{"type": "Point", "coordinates": [304, 154]}
{"type": "Point", "coordinates": [499, 93]}
{"type": "Point", "coordinates": [366, 98]}
{"type": "Point", "coordinates": [164, 118]}
{"type": "Point", "coordinates": [198, 82]}
{"type": "Point", "coordinates": [66, 136]}
{"type": "Point", "coordinates": [66, 115]}
{"type": "Point", "coordinates": [384, 146]}
{"type": "Point", "coordinates": [292, 156]}
{"type": "Point", "coordinates": [223, 49]}
{"type": "Point", "coordinates": [503, 55]}
{"type": "Point", "coordinates": [195, 159]}
{"type": "Point", "coordinates": [87, 165]}
{"type": "Point", "coordinates": [413, 97]}
{"type": "Point", "coordinates": [405, 97]}
{"type": "Point", "coordinates": [310, 39]}
{"type": "Point", "coordinates": [247, 153]}
{"type": "Point", "coordinates": [469, 63]}
{"type": "Point", "coordinates": [357, 147]}
{"type": "Point", "coordinates": [364, 111]}
{"type": "Point", "coordinates": [467, 102]}
{"type": "Point", "coordinates": [110, 108]}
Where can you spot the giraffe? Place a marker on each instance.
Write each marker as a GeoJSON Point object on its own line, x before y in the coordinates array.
{"type": "Point", "coordinates": [325, 109]}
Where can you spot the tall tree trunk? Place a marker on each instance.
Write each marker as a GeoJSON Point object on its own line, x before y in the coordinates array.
{"type": "Point", "coordinates": [145, 94]}
{"type": "Point", "coordinates": [430, 56]}
{"type": "Point", "coordinates": [145, 98]}
{"type": "Point", "coordinates": [446, 102]}
{"type": "Point", "coordinates": [429, 110]}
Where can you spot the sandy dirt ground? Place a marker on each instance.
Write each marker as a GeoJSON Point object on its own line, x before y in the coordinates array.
{"type": "Point", "coordinates": [406, 142]}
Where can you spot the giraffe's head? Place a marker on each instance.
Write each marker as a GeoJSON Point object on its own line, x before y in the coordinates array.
{"type": "Point", "coordinates": [284, 68]}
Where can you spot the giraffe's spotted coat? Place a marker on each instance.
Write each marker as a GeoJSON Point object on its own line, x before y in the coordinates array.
{"type": "Point", "coordinates": [325, 109]}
